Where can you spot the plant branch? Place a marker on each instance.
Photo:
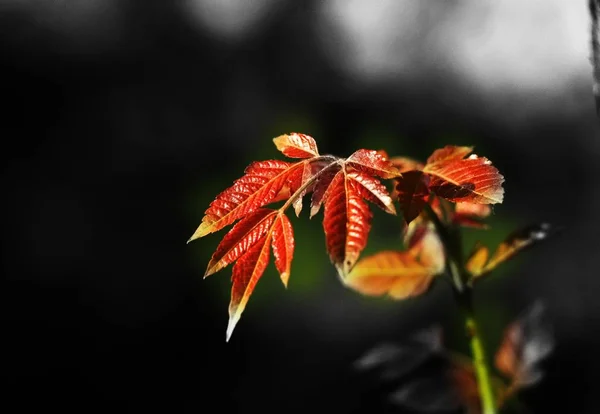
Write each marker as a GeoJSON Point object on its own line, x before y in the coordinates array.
{"type": "Point", "coordinates": [486, 393]}
{"type": "Point", "coordinates": [451, 239]}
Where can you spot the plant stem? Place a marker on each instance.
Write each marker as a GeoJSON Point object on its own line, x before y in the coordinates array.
{"type": "Point", "coordinates": [451, 239]}
{"type": "Point", "coordinates": [486, 394]}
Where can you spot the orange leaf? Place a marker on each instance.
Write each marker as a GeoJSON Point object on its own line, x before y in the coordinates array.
{"type": "Point", "coordinates": [516, 242]}
{"type": "Point", "coordinates": [413, 192]}
{"type": "Point", "coordinates": [296, 145]}
{"type": "Point", "coordinates": [372, 162]}
{"type": "Point", "coordinates": [240, 239]}
{"type": "Point", "coordinates": [401, 274]}
{"type": "Point", "coordinates": [477, 260]}
{"type": "Point", "coordinates": [473, 179]}
{"type": "Point", "coordinates": [283, 246]}
{"type": "Point", "coordinates": [260, 185]}
{"type": "Point", "coordinates": [398, 274]}
{"type": "Point", "coordinates": [246, 273]}
{"type": "Point", "coordinates": [428, 248]}
{"type": "Point", "coordinates": [346, 221]}
{"type": "Point", "coordinates": [448, 153]}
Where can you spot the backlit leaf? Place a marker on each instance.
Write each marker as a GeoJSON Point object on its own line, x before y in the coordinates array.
{"type": "Point", "coordinates": [283, 246]}
{"type": "Point", "coordinates": [372, 162]}
{"type": "Point", "coordinates": [447, 154]}
{"type": "Point", "coordinates": [400, 274]}
{"type": "Point", "coordinates": [346, 221]}
{"type": "Point", "coordinates": [240, 239]}
{"type": "Point", "coordinates": [260, 185]}
{"type": "Point", "coordinates": [477, 259]}
{"type": "Point", "coordinates": [516, 242]}
{"type": "Point", "coordinates": [246, 272]}
{"type": "Point", "coordinates": [395, 273]}
{"type": "Point", "coordinates": [412, 190]}
{"type": "Point", "coordinates": [296, 145]}
{"type": "Point", "coordinates": [371, 189]}
{"type": "Point", "coordinates": [473, 179]}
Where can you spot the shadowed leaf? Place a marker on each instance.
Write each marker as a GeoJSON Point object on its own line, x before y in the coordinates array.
{"type": "Point", "coordinates": [412, 190]}
{"type": "Point", "coordinates": [320, 188]}
{"type": "Point", "coordinates": [526, 343]}
{"type": "Point", "coordinates": [410, 375]}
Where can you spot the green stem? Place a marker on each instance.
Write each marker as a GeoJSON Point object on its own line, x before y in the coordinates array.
{"type": "Point", "coordinates": [450, 237]}
{"type": "Point", "coordinates": [486, 393]}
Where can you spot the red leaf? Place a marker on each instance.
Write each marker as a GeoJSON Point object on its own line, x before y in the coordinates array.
{"type": "Point", "coordinates": [296, 145]}
{"type": "Point", "coordinates": [371, 189]}
{"type": "Point", "coordinates": [346, 221]}
{"type": "Point", "coordinates": [473, 179]}
{"type": "Point", "coordinates": [246, 273]}
{"type": "Point", "coordinates": [413, 193]}
{"type": "Point", "coordinates": [260, 185]}
{"type": "Point", "coordinates": [283, 246]}
{"type": "Point", "coordinates": [372, 162]}
{"type": "Point", "coordinates": [240, 239]}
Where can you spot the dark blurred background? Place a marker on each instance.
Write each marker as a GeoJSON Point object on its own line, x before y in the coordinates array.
{"type": "Point", "coordinates": [123, 119]}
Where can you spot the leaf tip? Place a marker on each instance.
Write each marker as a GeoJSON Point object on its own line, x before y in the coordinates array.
{"type": "Point", "coordinates": [231, 326]}
{"type": "Point", "coordinates": [201, 231]}
{"type": "Point", "coordinates": [285, 276]}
